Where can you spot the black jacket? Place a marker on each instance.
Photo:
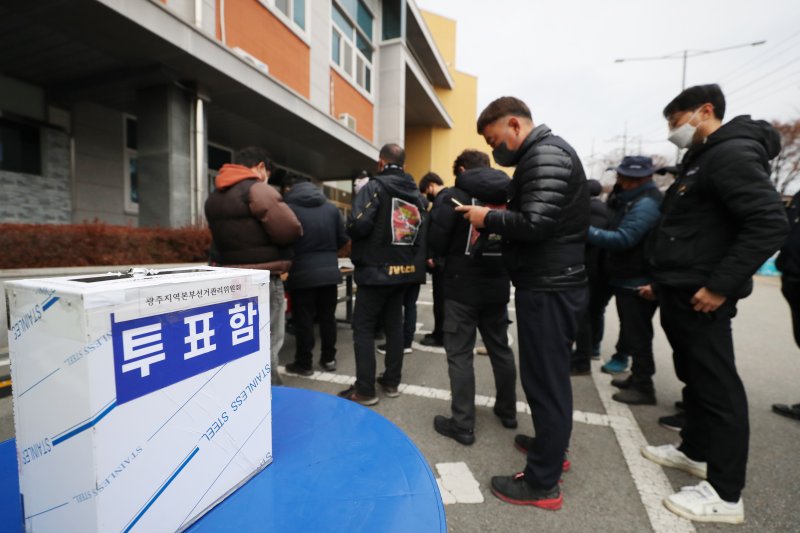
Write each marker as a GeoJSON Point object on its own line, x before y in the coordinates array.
{"type": "Point", "coordinates": [788, 261]}
{"type": "Point", "coordinates": [598, 218]}
{"type": "Point", "coordinates": [544, 229]}
{"type": "Point", "coordinates": [388, 228]}
{"type": "Point", "coordinates": [722, 218]}
{"type": "Point", "coordinates": [472, 277]}
{"type": "Point", "coordinates": [315, 261]}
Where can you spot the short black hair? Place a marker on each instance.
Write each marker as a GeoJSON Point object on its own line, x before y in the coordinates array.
{"type": "Point", "coordinates": [471, 159]}
{"type": "Point", "coordinates": [393, 153]}
{"type": "Point", "coordinates": [253, 155]}
{"type": "Point", "coordinates": [427, 179]}
{"type": "Point", "coordinates": [293, 179]}
{"type": "Point", "coordinates": [503, 106]}
{"type": "Point", "coordinates": [694, 97]}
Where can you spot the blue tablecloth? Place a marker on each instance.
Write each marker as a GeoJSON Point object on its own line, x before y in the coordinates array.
{"type": "Point", "coordinates": [338, 467]}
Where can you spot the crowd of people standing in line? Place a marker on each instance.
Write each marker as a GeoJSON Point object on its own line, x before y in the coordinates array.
{"type": "Point", "coordinates": [691, 252]}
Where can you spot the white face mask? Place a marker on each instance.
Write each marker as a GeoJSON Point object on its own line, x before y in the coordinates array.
{"type": "Point", "coordinates": [683, 135]}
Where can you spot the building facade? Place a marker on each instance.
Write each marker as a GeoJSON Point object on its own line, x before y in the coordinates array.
{"type": "Point", "coordinates": [121, 111]}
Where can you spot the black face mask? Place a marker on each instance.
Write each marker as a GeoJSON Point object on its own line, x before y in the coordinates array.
{"type": "Point", "coordinates": [430, 197]}
{"type": "Point", "coordinates": [505, 157]}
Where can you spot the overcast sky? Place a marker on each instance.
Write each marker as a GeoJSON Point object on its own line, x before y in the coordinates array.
{"type": "Point", "coordinates": [558, 56]}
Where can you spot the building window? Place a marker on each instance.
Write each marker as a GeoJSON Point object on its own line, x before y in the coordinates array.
{"type": "Point", "coordinates": [293, 10]}
{"type": "Point", "coordinates": [351, 42]}
{"type": "Point", "coordinates": [131, 174]}
{"type": "Point", "coordinates": [20, 148]}
{"type": "Point", "coordinates": [392, 19]}
{"type": "Point", "coordinates": [217, 156]}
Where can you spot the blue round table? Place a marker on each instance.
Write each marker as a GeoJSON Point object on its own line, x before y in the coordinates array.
{"type": "Point", "coordinates": [338, 467]}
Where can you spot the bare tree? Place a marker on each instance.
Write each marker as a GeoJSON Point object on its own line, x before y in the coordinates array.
{"type": "Point", "coordinates": [786, 165]}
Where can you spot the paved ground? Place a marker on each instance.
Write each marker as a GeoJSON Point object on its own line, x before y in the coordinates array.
{"type": "Point", "coordinates": [610, 487]}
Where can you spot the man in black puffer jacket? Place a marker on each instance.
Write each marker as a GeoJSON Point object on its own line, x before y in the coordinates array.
{"type": "Point", "coordinates": [544, 233]}
{"type": "Point", "coordinates": [721, 220]}
{"type": "Point", "coordinates": [314, 276]}
{"type": "Point", "coordinates": [475, 295]}
{"type": "Point", "coordinates": [388, 231]}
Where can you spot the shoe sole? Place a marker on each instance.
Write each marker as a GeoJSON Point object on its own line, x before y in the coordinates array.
{"type": "Point", "coordinates": [553, 504]}
{"type": "Point", "coordinates": [305, 373]}
{"type": "Point", "coordinates": [565, 466]}
{"type": "Point", "coordinates": [605, 371]}
{"type": "Point", "coordinates": [671, 428]}
{"type": "Point", "coordinates": [393, 394]}
{"type": "Point", "coordinates": [663, 462]}
{"type": "Point", "coordinates": [722, 519]}
{"type": "Point", "coordinates": [465, 442]}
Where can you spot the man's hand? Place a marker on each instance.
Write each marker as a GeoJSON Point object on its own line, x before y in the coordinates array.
{"type": "Point", "coordinates": [705, 301]}
{"type": "Point", "coordinates": [474, 214]}
{"type": "Point", "coordinates": [646, 292]}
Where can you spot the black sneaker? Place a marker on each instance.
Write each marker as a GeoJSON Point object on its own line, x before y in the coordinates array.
{"type": "Point", "coordinates": [789, 411]}
{"type": "Point", "coordinates": [328, 366]}
{"type": "Point", "coordinates": [623, 383]}
{"type": "Point", "coordinates": [381, 349]}
{"type": "Point", "coordinates": [352, 394]}
{"type": "Point", "coordinates": [389, 390]}
{"type": "Point", "coordinates": [580, 369]}
{"type": "Point", "coordinates": [636, 396]}
{"type": "Point", "coordinates": [523, 443]}
{"type": "Point", "coordinates": [447, 427]}
{"type": "Point", "coordinates": [674, 422]}
{"type": "Point", "coordinates": [508, 422]}
{"type": "Point", "coordinates": [294, 368]}
{"type": "Point", "coordinates": [430, 340]}
{"type": "Point", "coordinates": [514, 489]}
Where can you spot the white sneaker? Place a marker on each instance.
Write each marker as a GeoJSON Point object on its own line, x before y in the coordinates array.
{"type": "Point", "coordinates": [381, 349]}
{"type": "Point", "coordinates": [702, 504]}
{"type": "Point", "coordinates": [669, 455]}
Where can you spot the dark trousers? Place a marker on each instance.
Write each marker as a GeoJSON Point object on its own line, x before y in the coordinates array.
{"type": "Point", "coordinates": [410, 313]}
{"type": "Point", "coordinates": [636, 333]}
{"type": "Point", "coordinates": [791, 291]}
{"type": "Point", "coordinates": [592, 324]}
{"type": "Point", "coordinates": [319, 302]}
{"type": "Point", "coordinates": [460, 323]}
{"type": "Point", "coordinates": [376, 305]}
{"type": "Point", "coordinates": [717, 429]}
{"type": "Point", "coordinates": [547, 322]}
{"type": "Point", "coordinates": [437, 280]}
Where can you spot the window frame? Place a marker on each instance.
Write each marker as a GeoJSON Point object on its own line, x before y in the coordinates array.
{"type": "Point", "coordinates": [129, 206]}
{"type": "Point", "coordinates": [288, 20]}
{"type": "Point", "coordinates": [356, 53]}
{"type": "Point", "coordinates": [211, 174]}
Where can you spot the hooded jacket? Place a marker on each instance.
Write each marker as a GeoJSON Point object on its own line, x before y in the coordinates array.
{"type": "Point", "coordinates": [544, 228]}
{"type": "Point", "coordinates": [315, 263]}
{"type": "Point", "coordinates": [388, 227]}
{"type": "Point", "coordinates": [721, 218]}
{"type": "Point", "coordinates": [251, 225]}
{"type": "Point", "coordinates": [474, 272]}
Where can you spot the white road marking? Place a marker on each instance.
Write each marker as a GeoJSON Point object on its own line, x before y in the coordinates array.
{"type": "Point", "coordinates": [457, 484]}
{"type": "Point", "coordinates": [649, 478]}
{"type": "Point", "coordinates": [592, 419]}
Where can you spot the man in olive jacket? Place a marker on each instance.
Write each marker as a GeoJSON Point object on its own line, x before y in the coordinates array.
{"type": "Point", "coordinates": [253, 228]}
{"type": "Point", "coordinates": [721, 220]}
{"type": "Point", "coordinates": [544, 234]}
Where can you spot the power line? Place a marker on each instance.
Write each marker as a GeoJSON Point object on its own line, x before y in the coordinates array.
{"type": "Point", "coordinates": [759, 56]}
{"type": "Point", "coordinates": [770, 86]}
{"type": "Point", "coordinates": [760, 79]}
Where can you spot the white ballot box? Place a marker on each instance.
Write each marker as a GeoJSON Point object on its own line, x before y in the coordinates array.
{"type": "Point", "coordinates": [141, 400]}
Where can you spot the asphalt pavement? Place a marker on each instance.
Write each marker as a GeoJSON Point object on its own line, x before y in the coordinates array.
{"type": "Point", "coordinates": [609, 487]}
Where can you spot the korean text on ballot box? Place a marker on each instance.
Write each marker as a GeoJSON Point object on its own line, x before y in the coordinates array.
{"type": "Point", "coordinates": [140, 400]}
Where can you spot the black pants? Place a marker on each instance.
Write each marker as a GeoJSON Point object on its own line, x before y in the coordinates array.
{"type": "Point", "coordinates": [717, 429]}
{"type": "Point", "coordinates": [636, 332]}
{"type": "Point", "coordinates": [437, 280]}
{"type": "Point", "coordinates": [410, 313]}
{"type": "Point", "coordinates": [460, 323]}
{"type": "Point", "coordinates": [319, 302]}
{"type": "Point", "coordinates": [791, 291]}
{"type": "Point", "coordinates": [592, 324]}
{"type": "Point", "coordinates": [547, 322]}
{"type": "Point", "coordinates": [377, 305]}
